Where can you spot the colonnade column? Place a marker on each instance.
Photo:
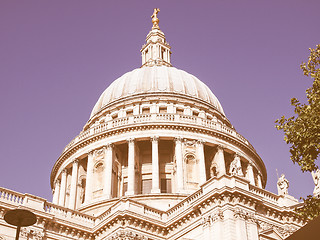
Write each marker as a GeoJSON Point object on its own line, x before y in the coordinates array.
{"type": "Point", "coordinates": [219, 159]}
{"type": "Point", "coordinates": [56, 193]}
{"type": "Point", "coordinates": [108, 170]}
{"type": "Point", "coordinates": [62, 195]}
{"type": "Point", "coordinates": [202, 164]}
{"type": "Point", "coordinates": [250, 174]}
{"type": "Point", "coordinates": [73, 188]}
{"type": "Point", "coordinates": [179, 163]}
{"type": "Point", "coordinates": [259, 180]}
{"type": "Point", "coordinates": [131, 165]}
{"type": "Point", "coordinates": [155, 165]}
{"type": "Point", "coordinates": [89, 179]}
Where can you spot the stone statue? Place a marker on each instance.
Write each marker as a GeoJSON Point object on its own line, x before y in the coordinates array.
{"type": "Point", "coordinates": [155, 19]}
{"type": "Point", "coordinates": [235, 167]}
{"type": "Point", "coordinates": [316, 179]}
{"type": "Point", "coordinates": [283, 185]}
{"type": "Point", "coordinates": [213, 169]}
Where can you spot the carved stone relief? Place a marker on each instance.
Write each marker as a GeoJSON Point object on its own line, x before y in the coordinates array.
{"type": "Point", "coordinates": [128, 235]}
{"type": "Point", "coordinates": [210, 219]}
{"type": "Point", "coordinates": [283, 231]}
{"type": "Point", "coordinates": [31, 233]}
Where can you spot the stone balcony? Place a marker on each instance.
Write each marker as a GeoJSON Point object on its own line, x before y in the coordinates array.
{"type": "Point", "coordinates": [157, 118]}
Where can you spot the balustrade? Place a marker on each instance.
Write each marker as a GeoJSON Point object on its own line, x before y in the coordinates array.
{"type": "Point", "coordinates": [11, 196]}
{"type": "Point", "coordinates": [166, 117]}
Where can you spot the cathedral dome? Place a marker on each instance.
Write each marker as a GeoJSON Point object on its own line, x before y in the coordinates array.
{"type": "Point", "coordinates": [156, 135]}
{"type": "Point", "coordinates": [156, 79]}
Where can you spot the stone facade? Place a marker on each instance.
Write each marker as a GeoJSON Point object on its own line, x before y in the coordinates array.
{"type": "Point", "coordinates": [158, 159]}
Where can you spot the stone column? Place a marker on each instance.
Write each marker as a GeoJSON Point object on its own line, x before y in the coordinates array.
{"type": "Point", "coordinates": [63, 188]}
{"type": "Point", "coordinates": [73, 188]}
{"type": "Point", "coordinates": [241, 228]}
{"type": "Point", "coordinates": [179, 164]}
{"type": "Point", "coordinates": [202, 164]}
{"type": "Point", "coordinates": [250, 174]}
{"type": "Point", "coordinates": [155, 165]}
{"type": "Point", "coordinates": [108, 171]}
{"type": "Point", "coordinates": [56, 193]}
{"type": "Point", "coordinates": [259, 180]}
{"type": "Point", "coordinates": [89, 179]}
{"type": "Point", "coordinates": [131, 165]}
{"type": "Point", "coordinates": [219, 159]}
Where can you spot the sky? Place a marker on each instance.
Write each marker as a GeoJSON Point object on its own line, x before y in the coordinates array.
{"type": "Point", "coordinates": [57, 57]}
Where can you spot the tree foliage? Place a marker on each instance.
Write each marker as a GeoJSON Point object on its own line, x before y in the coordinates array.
{"type": "Point", "coordinates": [302, 131]}
{"type": "Point", "coordinates": [310, 208]}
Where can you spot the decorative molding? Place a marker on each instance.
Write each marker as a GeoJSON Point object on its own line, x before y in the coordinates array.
{"type": "Point", "coordinates": [154, 138]}
{"type": "Point", "coordinates": [283, 231]}
{"type": "Point", "coordinates": [242, 214]}
{"type": "Point", "coordinates": [109, 146]}
{"type": "Point", "coordinates": [212, 218]}
{"type": "Point", "coordinates": [31, 233]}
{"type": "Point", "coordinates": [220, 147]}
{"type": "Point", "coordinates": [75, 162]}
{"type": "Point", "coordinates": [127, 235]}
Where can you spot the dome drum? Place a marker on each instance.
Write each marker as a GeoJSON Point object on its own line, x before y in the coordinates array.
{"type": "Point", "coordinates": [199, 161]}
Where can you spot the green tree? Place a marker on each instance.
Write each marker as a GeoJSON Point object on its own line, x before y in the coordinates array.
{"type": "Point", "coordinates": [302, 131]}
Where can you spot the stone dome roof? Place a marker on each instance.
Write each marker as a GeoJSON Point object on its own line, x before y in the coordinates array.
{"type": "Point", "coordinates": [156, 79]}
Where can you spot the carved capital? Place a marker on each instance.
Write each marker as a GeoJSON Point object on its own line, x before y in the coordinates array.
{"type": "Point", "coordinates": [64, 171]}
{"type": "Point", "coordinates": [90, 153]}
{"type": "Point", "coordinates": [155, 139]}
{"type": "Point", "coordinates": [57, 182]}
{"type": "Point", "coordinates": [250, 166]}
{"type": "Point", "coordinates": [220, 147]}
{"type": "Point", "coordinates": [178, 139]}
{"type": "Point", "coordinates": [109, 146]}
{"type": "Point", "coordinates": [131, 140]}
{"type": "Point", "coordinates": [201, 142]}
{"type": "Point", "coordinates": [236, 155]}
{"type": "Point", "coordinates": [75, 162]}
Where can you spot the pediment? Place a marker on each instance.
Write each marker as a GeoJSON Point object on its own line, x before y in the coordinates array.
{"type": "Point", "coordinates": [270, 234]}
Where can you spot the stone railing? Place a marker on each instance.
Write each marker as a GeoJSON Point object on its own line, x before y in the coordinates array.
{"type": "Point", "coordinates": [15, 199]}
{"type": "Point", "coordinates": [266, 195]}
{"type": "Point", "coordinates": [156, 117]}
{"type": "Point", "coordinates": [11, 197]}
{"type": "Point", "coordinates": [126, 204]}
{"type": "Point", "coordinates": [185, 204]}
{"type": "Point", "coordinates": [74, 216]}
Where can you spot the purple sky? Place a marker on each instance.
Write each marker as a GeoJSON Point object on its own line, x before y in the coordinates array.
{"type": "Point", "coordinates": [57, 57]}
